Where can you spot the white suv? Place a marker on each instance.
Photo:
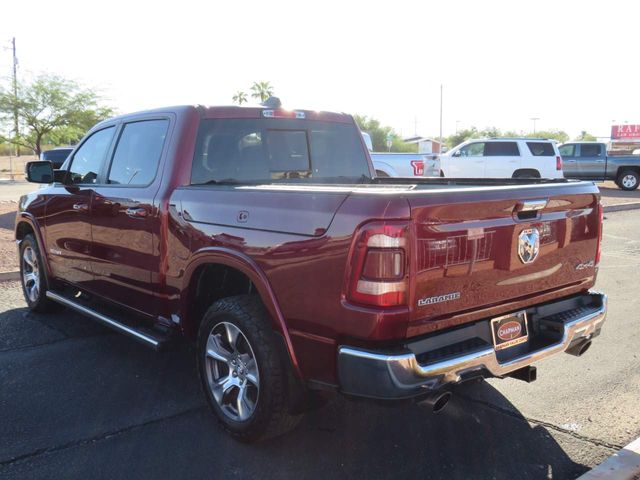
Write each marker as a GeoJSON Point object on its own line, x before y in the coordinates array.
{"type": "Point", "coordinates": [503, 157]}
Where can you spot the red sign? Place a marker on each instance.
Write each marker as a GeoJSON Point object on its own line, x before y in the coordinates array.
{"type": "Point", "coordinates": [627, 132]}
{"type": "Point", "coordinates": [418, 168]}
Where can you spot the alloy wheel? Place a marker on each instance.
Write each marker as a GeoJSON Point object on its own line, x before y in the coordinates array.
{"type": "Point", "coordinates": [629, 181]}
{"type": "Point", "coordinates": [30, 274]}
{"type": "Point", "coordinates": [232, 371]}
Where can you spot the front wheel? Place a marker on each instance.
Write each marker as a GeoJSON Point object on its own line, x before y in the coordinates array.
{"type": "Point", "coordinates": [244, 377]}
{"type": "Point", "coordinates": [628, 180]}
{"type": "Point", "coordinates": [34, 280]}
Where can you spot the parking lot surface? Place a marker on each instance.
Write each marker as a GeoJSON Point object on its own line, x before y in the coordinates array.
{"type": "Point", "coordinates": [78, 401]}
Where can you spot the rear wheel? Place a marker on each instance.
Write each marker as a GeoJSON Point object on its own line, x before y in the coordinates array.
{"type": "Point", "coordinates": [33, 276]}
{"type": "Point", "coordinates": [628, 180]}
{"type": "Point", "coordinates": [242, 372]}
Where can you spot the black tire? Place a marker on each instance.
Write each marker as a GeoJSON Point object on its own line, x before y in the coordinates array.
{"type": "Point", "coordinates": [33, 277]}
{"type": "Point", "coordinates": [628, 180]}
{"type": "Point", "coordinates": [271, 415]}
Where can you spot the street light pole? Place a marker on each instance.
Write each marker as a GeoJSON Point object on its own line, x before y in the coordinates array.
{"type": "Point", "coordinates": [15, 95]}
{"type": "Point", "coordinates": [441, 116]}
{"type": "Point", "coordinates": [534, 123]}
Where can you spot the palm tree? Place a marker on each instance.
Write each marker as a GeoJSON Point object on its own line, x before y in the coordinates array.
{"type": "Point", "coordinates": [261, 90]}
{"type": "Point", "coordinates": [240, 97]}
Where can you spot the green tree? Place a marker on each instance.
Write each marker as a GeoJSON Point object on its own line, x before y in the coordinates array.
{"type": "Point", "coordinates": [553, 134]}
{"type": "Point", "coordinates": [240, 97]}
{"type": "Point", "coordinates": [491, 132]}
{"type": "Point", "coordinates": [585, 137]}
{"type": "Point", "coordinates": [261, 90]}
{"type": "Point", "coordinates": [49, 107]}
{"type": "Point", "coordinates": [462, 136]}
{"type": "Point", "coordinates": [380, 133]}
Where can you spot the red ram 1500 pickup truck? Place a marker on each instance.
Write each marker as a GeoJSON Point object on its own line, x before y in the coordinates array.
{"type": "Point", "coordinates": [262, 235]}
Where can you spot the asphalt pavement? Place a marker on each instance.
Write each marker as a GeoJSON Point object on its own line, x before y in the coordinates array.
{"type": "Point", "coordinates": [78, 401]}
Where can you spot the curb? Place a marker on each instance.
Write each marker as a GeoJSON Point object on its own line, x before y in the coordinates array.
{"type": "Point", "coordinates": [9, 276]}
{"type": "Point", "coordinates": [622, 207]}
{"type": "Point", "coordinates": [622, 465]}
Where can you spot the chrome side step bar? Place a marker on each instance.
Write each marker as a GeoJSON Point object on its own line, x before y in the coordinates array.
{"type": "Point", "coordinates": [148, 340]}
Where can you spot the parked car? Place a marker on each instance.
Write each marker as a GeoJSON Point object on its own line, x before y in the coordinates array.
{"type": "Point", "coordinates": [263, 236]}
{"type": "Point", "coordinates": [56, 156]}
{"type": "Point", "coordinates": [589, 161]}
{"type": "Point", "coordinates": [503, 158]}
{"type": "Point", "coordinates": [394, 164]}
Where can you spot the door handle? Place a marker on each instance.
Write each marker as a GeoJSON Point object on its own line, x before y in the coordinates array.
{"type": "Point", "coordinates": [137, 212]}
{"type": "Point", "coordinates": [81, 207]}
{"type": "Point", "coordinates": [599, 161]}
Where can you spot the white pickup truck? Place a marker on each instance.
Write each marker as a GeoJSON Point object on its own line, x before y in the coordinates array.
{"type": "Point", "coordinates": [403, 164]}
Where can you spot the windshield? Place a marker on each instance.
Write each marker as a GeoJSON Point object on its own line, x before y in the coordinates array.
{"type": "Point", "coordinates": [278, 150]}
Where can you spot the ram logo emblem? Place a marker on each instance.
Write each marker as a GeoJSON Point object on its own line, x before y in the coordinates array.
{"type": "Point", "coordinates": [529, 245]}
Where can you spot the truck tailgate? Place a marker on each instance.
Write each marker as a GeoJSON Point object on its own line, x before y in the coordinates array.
{"type": "Point", "coordinates": [475, 249]}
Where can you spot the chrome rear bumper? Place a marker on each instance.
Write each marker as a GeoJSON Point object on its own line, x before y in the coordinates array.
{"type": "Point", "coordinates": [400, 375]}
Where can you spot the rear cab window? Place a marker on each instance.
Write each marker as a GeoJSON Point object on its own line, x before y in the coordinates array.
{"type": "Point", "coordinates": [541, 149]}
{"type": "Point", "coordinates": [277, 150]}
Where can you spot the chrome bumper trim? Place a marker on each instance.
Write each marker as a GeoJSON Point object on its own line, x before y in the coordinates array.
{"type": "Point", "coordinates": [380, 375]}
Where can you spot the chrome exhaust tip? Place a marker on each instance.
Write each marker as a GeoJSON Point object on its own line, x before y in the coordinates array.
{"type": "Point", "coordinates": [579, 349]}
{"type": "Point", "coordinates": [438, 401]}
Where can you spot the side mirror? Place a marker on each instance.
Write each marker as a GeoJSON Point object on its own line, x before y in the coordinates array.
{"type": "Point", "coordinates": [456, 153]}
{"type": "Point", "coordinates": [39, 172]}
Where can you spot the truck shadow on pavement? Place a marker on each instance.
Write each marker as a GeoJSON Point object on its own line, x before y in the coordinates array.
{"type": "Point", "coordinates": [8, 220]}
{"type": "Point", "coordinates": [80, 402]}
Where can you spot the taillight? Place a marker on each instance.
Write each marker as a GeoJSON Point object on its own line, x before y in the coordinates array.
{"type": "Point", "coordinates": [378, 273]}
{"type": "Point", "coordinates": [600, 226]}
{"type": "Point", "coordinates": [558, 162]}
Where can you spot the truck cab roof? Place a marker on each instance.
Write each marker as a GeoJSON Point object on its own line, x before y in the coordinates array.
{"type": "Point", "coordinates": [235, 111]}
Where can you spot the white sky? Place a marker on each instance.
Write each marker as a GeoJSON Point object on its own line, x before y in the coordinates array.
{"type": "Point", "coordinates": [575, 65]}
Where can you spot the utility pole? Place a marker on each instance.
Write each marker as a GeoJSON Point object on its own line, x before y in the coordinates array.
{"type": "Point", "coordinates": [15, 96]}
{"type": "Point", "coordinates": [534, 123]}
{"type": "Point", "coordinates": [440, 117]}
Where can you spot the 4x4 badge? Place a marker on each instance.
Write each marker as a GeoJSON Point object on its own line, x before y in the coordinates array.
{"type": "Point", "coordinates": [528, 245]}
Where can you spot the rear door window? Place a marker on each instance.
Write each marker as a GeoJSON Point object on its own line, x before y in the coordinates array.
{"type": "Point", "coordinates": [56, 156]}
{"type": "Point", "coordinates": [541, 149]}
{"type": "Point", "coordinates": [590, 150]}
{"type": "Point", "coordinates": [137, 154]}
{"type": "Point", "coordinates": [90, 157]}
{"type": "Point", "coordinates": [501, 149]}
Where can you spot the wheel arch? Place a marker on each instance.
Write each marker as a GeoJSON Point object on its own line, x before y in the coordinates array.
{"type": "Point", "coordinates": [241, 267]}
{"type": "Point", "coordinates": [385, 168]}
{"type": "Point", "coordinates": [622, 168]}
{"type": "Point", "coordinates": [27, 224]}
{"type": "Point", "coordinates": [526, 172]}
